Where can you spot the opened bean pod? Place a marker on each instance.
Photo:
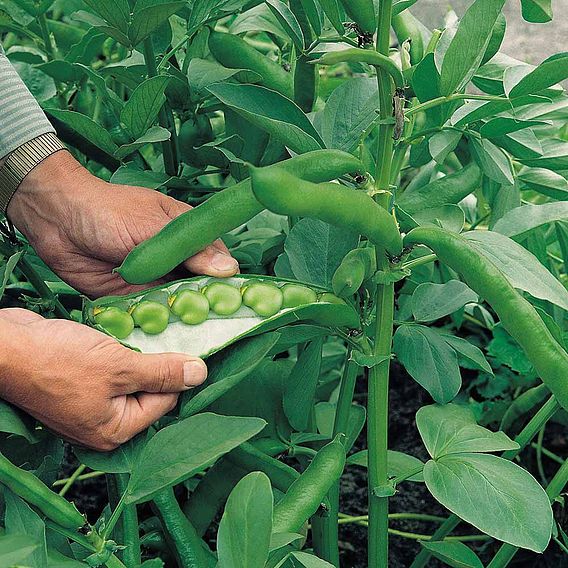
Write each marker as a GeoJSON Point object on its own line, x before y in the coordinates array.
{"type": "Point", "coordinates": [193, 303]}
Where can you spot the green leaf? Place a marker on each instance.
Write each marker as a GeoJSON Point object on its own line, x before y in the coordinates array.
{"type": "Point", "coordinates": [11, 421]}
{"type": "Point", "coordinates": [272, 112]}
{"type": "Point", "coordinates": [325, 421]}
{"type": "Point", "coordinates": [315, 249]}
{"type": "Point", "coordinates": [300, 393]}
{"type": "Point", "coordinates": [468, 351]}
{"type": "Point", "coordinates": [243, 540]}
{"type": "Point", "coordinates": [443, 143]}
{"type": "Point", "coordinates": [115, 12]}
{"type": "Point", "coordinates": [203, 73]}
{"type": "Point", "coordinates": [348, 113]}
{"type": "Point", "coordinates": [86, 128]}
{"type": "Point", "coordinates": [537, 11]}
{"type": "Point", "coordinates": [544, 181]}
{"type": "Point", "coordinates": [17, 549]}
{"type": "Point", "coordinates": [506, 125]}
{"type": "Point", "coordinates": [7, 269]}
{"type": "Point", "coordinates": [448, 189]}
{"type": "Point", "coordinates": [452, 429]}
{"type": "Point", "coordinates": [529, 217]}
{"type": "Point", "coordinates": [506, 351]}
{"type": "Point", "coordinates": [333, 13]}
{"type": "Point", "coordinates": [492, 161]}
{"type": "Point", "coordinates": [289, 22]}
{"type": "Point", "coordinates": [497, 496]}
{"type": "Point", "coordinates": [182, 449]}
{"type": "Point", "coordinates": [455, 554]}
{"type": "Point", "coordinates": [40, 85]}
{"type": "Point", "coordinates": [305, 560]}
{"type": "Point", "coordinates": [522, 268]}
{"type": "Point", "coordinates": [121, 460]}
{"type": "Point", "coordinates": [228, 370]}
{"type": "Point", "coordinates": [434, 301]}
{"type": "Point", "coordinates": [467, 47]}
{"type": "Point", "coordinates": [21, 519]}
{"type": "Point", "coordinates": [451, 217]}
{"type": "Point", "coordinates": [554, 155]}
{"type": "Point", "coordinates": [551, 71]}
{"type": "Point", "coordinates": [143, 106]}
{"type": "Point", "coordinates": [399, 464]}
{"type": "Point", "coordinates": [153, 134]}
{"type": "Point", "coordinates": [150, 18]}
{"type": "Point", "coordinates": [429, 360]}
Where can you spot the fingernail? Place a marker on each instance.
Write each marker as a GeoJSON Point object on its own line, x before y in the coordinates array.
{"type": "Point", "coordinates": [224, 262]}
{"type": "Point", "coordinates": [194, 373]}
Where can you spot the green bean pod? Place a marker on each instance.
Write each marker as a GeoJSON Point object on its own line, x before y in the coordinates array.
{"type": "Point", "coordinates": [193, 231]}
{"type": "Point", "coordinates": [189, 549]}
{"type": "Point", "coordinates": [234, 52]}
{"type": "Point", "coordinates": [407, 27]}
{"type": "Point", "coordinates": [305, 495]}
{"type": "Point", "coordinates": [516, 314]}
{"type": "Point", "coordinates": [283, 193]}
{"type": "Point", "coordinates": [362, 12]}
{"type": "Point", "coordinates": [31, 489]}
{"type": "Point", "coordinates": [250, 458]}
{"type": "Point", "coordinates": [369, 56]}
{"type": "Point", "coordinates": [357, 265]}
{"type": "Point", "coordinates": [305, 74]}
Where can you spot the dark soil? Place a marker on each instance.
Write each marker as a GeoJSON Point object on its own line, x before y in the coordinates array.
{"type": "Point", "coordinates": [406, 398]}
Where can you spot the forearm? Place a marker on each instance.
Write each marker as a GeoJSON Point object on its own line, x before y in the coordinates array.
{"type": "Point", "coordinates": [21, 118]}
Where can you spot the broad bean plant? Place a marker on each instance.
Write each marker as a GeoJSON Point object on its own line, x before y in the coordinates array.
{"type": "Point", "coordinates": [395, 195]}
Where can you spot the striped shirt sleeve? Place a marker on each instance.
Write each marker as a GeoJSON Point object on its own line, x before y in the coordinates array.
{"type": "Point", "coordinates": [21, 117]}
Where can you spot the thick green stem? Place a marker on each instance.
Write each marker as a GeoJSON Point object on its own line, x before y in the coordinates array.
{"type": "Point", "coordinates": [455, 97]}
{"type": "Point", "coordinates": [165, 117]}
{"type": "Point", "coordinates": [326, 527]}
{"type": "Point", "coordinates": [546, 412]}
{"type": "Point", "coordinates": [378, 402]}
{"type": "Point", "coordinates": [377, 428]}
{"type": "Point", "coordinates": [126, 529]}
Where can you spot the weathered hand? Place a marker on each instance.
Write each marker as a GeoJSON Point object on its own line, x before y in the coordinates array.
{"type": "Point", "coordinates": [83, 384]}
{"type": "Point", "coordinates": [83, 227]}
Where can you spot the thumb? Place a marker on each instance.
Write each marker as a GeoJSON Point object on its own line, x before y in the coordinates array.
{"type": "Point", "coordinates": [160, 373]}
{"type": "Point", "coordinates": [142, 410]}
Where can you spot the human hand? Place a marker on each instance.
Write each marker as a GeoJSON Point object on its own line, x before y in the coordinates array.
{"type": "Point", "coordinates": [84, 385]}
{"type": "Point", "coordinates": [84, 227]}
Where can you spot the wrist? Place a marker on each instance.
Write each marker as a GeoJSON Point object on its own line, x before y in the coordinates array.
{"type": "Point", "coordinates": [45, 193]}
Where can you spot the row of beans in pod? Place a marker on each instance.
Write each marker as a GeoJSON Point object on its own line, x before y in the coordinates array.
{"type": "Point", "coordinates": [194, 306]}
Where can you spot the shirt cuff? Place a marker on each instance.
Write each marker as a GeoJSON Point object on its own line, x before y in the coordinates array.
{"type": "Point", "coordinates": [21, 117]}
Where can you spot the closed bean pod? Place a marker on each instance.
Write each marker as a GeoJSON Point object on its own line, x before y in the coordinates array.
{"type": "Point", "coordinates": [305, 495]}
{"type": "Point", "coordinates": [517, 315]}
{"type": "Point", "coordinates": [194, 230]}
{"type": "Point", "coordinates": [31, 489]}
{"type": "Point", "coordinates": [283, 193]}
